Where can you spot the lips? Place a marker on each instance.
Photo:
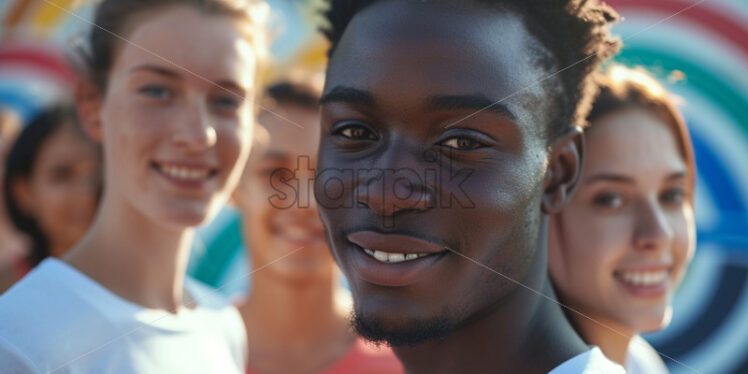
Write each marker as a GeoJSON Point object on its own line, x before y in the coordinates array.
{"type": "Point", "coordinates": [393, 260]}
{"type": "Point", "coordinates": [646, 282]}
{"type": "Point", "coordinates": [185, 175]}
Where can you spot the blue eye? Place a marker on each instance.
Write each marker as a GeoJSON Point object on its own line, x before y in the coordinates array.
{"type": "Point", "coordinates": [227, 102]}
{"type": "Point", "coordinates": [610, 200]}
{"type": "Point", "coordinates": [674, 196]}
{"type": "Point", "coordinates": [155, 91]}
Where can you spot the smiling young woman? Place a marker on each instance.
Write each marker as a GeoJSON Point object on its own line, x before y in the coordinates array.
{"type": "Point", "coordinates": [620, 248]}
{"type": "Point", "coordinates": [169, 96]}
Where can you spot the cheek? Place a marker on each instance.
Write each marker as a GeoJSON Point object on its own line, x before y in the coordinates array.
{"type": "Point", "coordinates": [51, 203]}
{"type": "Point", "coordinates": [129, 133]}
{"type": "Point", "coordinates": [683, 242]}
{"type": "Point", "coordinates": [590, 246]}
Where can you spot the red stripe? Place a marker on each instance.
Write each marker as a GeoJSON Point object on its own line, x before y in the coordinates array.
{"type": "Point", "coordinates": [38, 59]}
{"type": "Point", "coordinates": [708, 17]}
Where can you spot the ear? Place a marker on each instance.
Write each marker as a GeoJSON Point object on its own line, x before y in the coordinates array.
{"type": "Point", "coordinates": [564, 170]}
{"type": "Point", "coordinates": [88, 99]}
{"type": "Point", "coordinates": [20, 189]}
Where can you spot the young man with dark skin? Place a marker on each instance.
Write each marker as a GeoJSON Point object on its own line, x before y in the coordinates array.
{"type": "Point", "coordinates": [447, 139]}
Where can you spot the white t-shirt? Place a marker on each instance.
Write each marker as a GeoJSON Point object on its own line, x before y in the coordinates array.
{"type": "Point", "coordinates": [58, 320]}
{"type": "Point", "coordinates": [590, 362]}
{"type": "Point", "coordinates": [641, 358]}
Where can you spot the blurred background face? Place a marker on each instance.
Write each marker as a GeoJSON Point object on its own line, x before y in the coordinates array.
{"type": "Point", "coordinates": [174, 135]}
{"type": "Point", "coordinates": [276, 197]}
{"type": "Point", "coordinates": [61, 193]}
{"type": "Point", "coordinates": [9, 126]}
{"type": "Point", "coordinates": [621, 246]}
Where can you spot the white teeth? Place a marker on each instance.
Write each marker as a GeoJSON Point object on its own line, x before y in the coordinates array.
{"type": "Point", "coordinates": [381, 256]}
{"type": "Point", "coordinates": [185, 173]}
{"type": "Point", "coordinates": [393, 257]}
{"type": "Point", "coordinates": [645, 278]}
{"type": "Point", "coordinates": [396, 257]}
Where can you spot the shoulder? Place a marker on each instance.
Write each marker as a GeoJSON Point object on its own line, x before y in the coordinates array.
{"type": "Point", "coordinates": [43, 309]}
{"type": "Point", "coordinates": [642, 358]}
{"type": "Point", "coordinates": [591, 362]}
{"type": "Point", "coordinates": [368, 358]}
{"type": "Point", "coordinates": [14, 360]}
{"type": "Point", "coordinates": [221, 315]}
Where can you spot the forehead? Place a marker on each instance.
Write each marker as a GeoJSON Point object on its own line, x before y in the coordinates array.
{"type": "Point", "coordinates": [186, 41]}
{"type": "Point", "coordinates": [409, 49]}
{"type": "Point", "coordinates": [632, 141]}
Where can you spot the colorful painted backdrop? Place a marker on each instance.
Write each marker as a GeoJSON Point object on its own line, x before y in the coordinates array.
{"type": "Point", "coordinates": [707, 41]}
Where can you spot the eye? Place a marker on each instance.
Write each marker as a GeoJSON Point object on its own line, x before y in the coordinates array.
{"type": "Point", "coordinates": [610, 200]}
{"type": "Point", "coordinates": [227, 101]}
{"type": "Point", "coordinates": [462, 143]}
{"type": "Point", "coordinates": [356, 132]}
{"type": "Point", "coordinates": [674, 196]}
{"type": "Point", "coordinates": [155, 91]}
{"type": "Point", "coordinates": [61, 174]}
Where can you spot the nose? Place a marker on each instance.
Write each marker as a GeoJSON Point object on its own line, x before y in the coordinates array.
{"type": "Point", "coordinates": [196, 131]}
{"type": "Point", "coordinates": [389, 190]}
{"type": "Point", "coordinates": [653, 230]}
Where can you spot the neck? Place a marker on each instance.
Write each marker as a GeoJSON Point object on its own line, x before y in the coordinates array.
{"type": "Point", "coordinates": [612, 338]}
{"type": "Point", "coordinates": [524, 332]}
{"type": "Point", "coordinates": [134, 257]}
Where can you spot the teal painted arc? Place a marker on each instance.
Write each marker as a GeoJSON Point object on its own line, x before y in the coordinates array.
{"type": "Point", "coordinates": [219, 253]}
{"type": "Point", "coordinates": [719, 91]}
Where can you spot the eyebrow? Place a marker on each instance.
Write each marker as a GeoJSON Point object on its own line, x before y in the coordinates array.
{"type": "Point", "coordinates": [474, 102]}
{"type": "Point", "coordinates": [155, 69]}
{"type": "Point", "coordinates": [609, 177]}
{"type": "Point", "coordinates": [350, 95]}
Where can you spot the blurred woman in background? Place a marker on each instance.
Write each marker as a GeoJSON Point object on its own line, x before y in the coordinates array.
{"type": "Point", "coordinates": [12, 244]}
{"type": "Point", "coordinates": [51, 185]}
{"type": "Point", "coordinates": [619, 249]}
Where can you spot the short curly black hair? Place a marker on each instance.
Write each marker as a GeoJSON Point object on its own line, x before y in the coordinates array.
{"type": "Point", "coordinates": [574, 32]}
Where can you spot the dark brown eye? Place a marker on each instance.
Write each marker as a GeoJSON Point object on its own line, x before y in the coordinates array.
{"type": "Point", "coordinates": [357, 132]}
{"type": "Point", "coordinates": [462, 143]}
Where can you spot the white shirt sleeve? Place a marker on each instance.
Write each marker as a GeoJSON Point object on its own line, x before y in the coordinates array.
{"type": "Point", "coordinates": [14, 361]}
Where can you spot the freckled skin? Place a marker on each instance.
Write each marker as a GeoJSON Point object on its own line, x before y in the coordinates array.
{"type": "Point", "coordinates": [401, 54]}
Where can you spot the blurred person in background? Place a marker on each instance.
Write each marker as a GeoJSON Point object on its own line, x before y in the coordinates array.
{"type": "Point", "coordinates": [296, 315]}
{"type": "Point", "coordinates": [173, 109]}
{"type": "Point", "coordinates": [620, 248]}
{"type": "Point", "coordinates": [51, 186]}
{"type": "Point", "coordinates": [12, 244]}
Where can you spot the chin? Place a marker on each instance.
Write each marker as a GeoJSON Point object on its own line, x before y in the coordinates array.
{"type": "Point", "coordinates": [398, 331]}
{"type": "Point", "coordinates": [646, 321]}
{"type": "Point", "coordinates": [187, 218]}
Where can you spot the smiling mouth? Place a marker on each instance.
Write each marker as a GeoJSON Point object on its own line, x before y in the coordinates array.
{"type": "Point", "coordinates": [643, 278]}
{"type": "Point", "coordinates": [183, 173]}
{"type": "Point", "coordinates": [386, 257]}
